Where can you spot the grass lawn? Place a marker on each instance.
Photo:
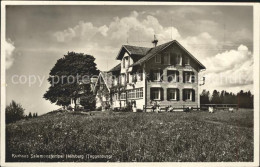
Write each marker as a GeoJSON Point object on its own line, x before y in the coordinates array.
{"type": "Point", "coordinates": [178, 136]}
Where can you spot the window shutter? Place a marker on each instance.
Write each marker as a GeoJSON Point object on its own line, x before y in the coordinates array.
{"type": "Point", "coordinates": [192, 77]}
{"type": "Point", "coordinates": [193, 95]}
{"type": "Point", "coordinates": [161, 75]}
{"type": "Point", "coordinates": [183, 95]}
{"type": "Point", "coordinates": [151, 75]}
{"type": "Point", "coordinates": [168, 94]}
{"type": "Point", "coordinates": [178, 76]}
{"type": "Point", "coordinates": [151, 94]}
{"type": "Point", "coordinates": [162, 94]}
{"type": "Point", "coordinates": [178, 94]}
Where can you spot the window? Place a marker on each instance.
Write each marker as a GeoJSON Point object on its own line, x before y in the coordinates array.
{"type": "Point", "coordinates": [155, 94]}
{"type": "Point", "coordinates": [131, 94]}
{"type": "Point", "coordinates": [187, 94]}
{"type": "Point", "coordinates": [134, 78]}
{"type": "Point", "coordinates": [115, 81]}
{"type": "Point", "coordinates": [116, 98]}
{"type": "Point", "coordinates": [172, 75]}
{"type": "Point", "coordinates": [157, 75]}
{"type": "Point", "coordinates": [128, 62]}
{"type": "Point", "coordinates": [172, 94]}
{"type": "Point", "coordinates": [158, 59]}
{"type": "Point", "coordinates": [179, 59]}
{"type": "Point", "coordinates": [140, 75]}
{"type": "Point", "coordinates": [139, 93]}
{"type": "Point", "coordinates": [123, 79]}
{"type": "Point", "coordinates": [189, 77]}
{"type": "Point", "coordinates": [167, 58]}
{"type": "Point", "coordinates": [123, 62]}
{"type": "Point", "coordinates": [187, 61]}
{"type": "Point", "coordinates": [122, 96]}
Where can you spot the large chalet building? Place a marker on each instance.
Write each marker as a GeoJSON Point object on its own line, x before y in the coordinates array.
{"type": "Point", "coordinates": [166, 74]}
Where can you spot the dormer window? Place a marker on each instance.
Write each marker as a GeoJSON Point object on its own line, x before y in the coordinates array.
{"type": "Point", "coordinates": [158, 59]}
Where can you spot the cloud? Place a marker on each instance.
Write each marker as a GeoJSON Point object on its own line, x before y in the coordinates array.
{"type": "Point", "coordinates": [9, 56]}
{"type": "Point", "coordinates": [105, 41]}
{"type": "Point", "coordinates": [201, 46]}
{"type": "Point", "coordinates": [231, 70]}
{"type": "Point", "coordinates": [117, 32]}
{"type": "Point", "coordinates": [229, 59]}
{"type": "Point", "coordinates": [84, 30]}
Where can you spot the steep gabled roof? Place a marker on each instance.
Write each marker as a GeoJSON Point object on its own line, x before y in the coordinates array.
{"type": "Point", "coordinates": [107, 78]}
{"type": "Point", "coordinates": [132, 50]}
{"type": "Point", "coordinates": [116, 68]}
{"type": "Point", "coordinates": [152, 52]}
{"type": "Point", "coordinates": [137, 50]}
{"type": "Point", "coordinates": [161, 47]}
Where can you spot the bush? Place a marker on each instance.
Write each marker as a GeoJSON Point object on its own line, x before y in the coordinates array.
{"type": "Point", "coordinates": [14, 112]}
{"type": "Point", "coordinates": [139, 110]}
{"type": "Point", "coordinates": [69, 108]}
{"type": "Point", "coordinates": [124, 109]}
{"type": "Point", "coordinates": [99, 108]}
{"type": "Point", "coordinates": [115, 109]}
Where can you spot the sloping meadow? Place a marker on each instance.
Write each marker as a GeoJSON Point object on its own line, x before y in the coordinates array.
{"type": "Point", "coordinates": [132, 137]}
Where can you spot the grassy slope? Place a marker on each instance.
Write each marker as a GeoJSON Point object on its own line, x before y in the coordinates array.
{"type": "Point", "coordinates": [194, 136]}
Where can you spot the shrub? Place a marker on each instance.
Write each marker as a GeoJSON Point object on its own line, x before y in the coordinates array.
{"type": "Point", "coordinates": [139, 110]}
{"type": "Point", "coordinates": [99, 108]}
{"type": "Point", "coordinates": [115, 109]}
{"type": "Point", "coordinates": [69, 108]}
{"type": "Point", "coordinates": [14, 112]}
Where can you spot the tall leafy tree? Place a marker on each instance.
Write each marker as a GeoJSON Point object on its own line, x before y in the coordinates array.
{"type": "Point", "coordinates": [215, 97]}
{"type": "Point", "coordinates": [67, 76]}
{"type": "Point", "coordinates": [14, 112]}
{"type": "Point", "coordinates": [205, 97]}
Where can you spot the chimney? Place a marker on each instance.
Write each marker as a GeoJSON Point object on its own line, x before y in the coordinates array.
{"type": "Point", "coordinates": [155, 41]}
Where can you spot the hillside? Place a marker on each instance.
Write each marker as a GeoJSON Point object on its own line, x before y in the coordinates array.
{"type": "Point", "coordinates": [117, 136]}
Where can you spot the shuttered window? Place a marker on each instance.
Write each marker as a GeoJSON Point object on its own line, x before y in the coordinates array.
{"type": "Point", "coordinates": [155, 94]}
{"type": "Point", "coordinates": [188, 94]}
{"type": "Point", "coordinates": [173, 76]}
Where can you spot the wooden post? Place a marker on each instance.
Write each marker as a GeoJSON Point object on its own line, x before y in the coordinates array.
{"type": "Point", "coordinates": [238, 101]}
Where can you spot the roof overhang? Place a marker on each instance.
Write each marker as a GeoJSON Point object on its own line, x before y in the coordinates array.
{"type": "Point", "coordinates": [121, 53]}
{"type": "Point", "coordinates": [178, 44]}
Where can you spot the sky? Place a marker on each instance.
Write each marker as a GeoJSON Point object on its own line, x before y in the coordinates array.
{"type": "Point", "coordinates": [220, 37]}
